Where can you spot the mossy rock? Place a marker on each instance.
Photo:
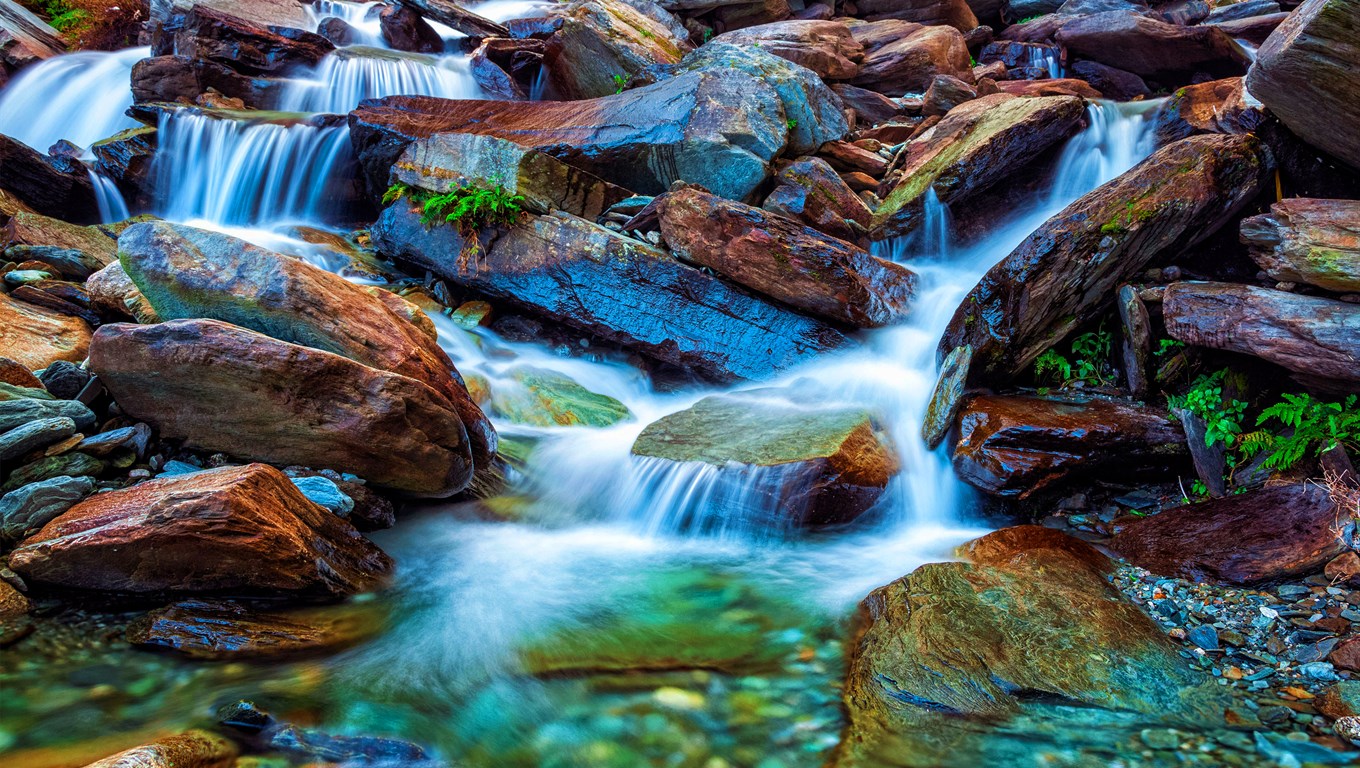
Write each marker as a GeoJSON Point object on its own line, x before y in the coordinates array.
{"type": "Point", "coordinates": [544, 398]}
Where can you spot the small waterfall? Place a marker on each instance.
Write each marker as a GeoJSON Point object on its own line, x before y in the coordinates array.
{"type": "Point", "coordinates": [41, 105]}
{"type": "Point", "coordinates": [1044, 58]}
{"type": "Point", "coordinates": [361, 17]}
{"type": "Point", "coordinates": [350, 75]}
{"type": "Point", "coordinates": [112, 207]}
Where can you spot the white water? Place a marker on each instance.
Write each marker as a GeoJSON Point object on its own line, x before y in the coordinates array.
{"type": "Point", "coordinates": [112, 208]}
{"type": "Point", "coordinates": [1045, 59]}
{"type": "Point", "coordinates": [348, 76]}
{"type": "Point", "coordinates": [40, 107]}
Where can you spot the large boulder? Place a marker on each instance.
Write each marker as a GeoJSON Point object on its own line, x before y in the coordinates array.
{"type": "Point", "coordinates": [809, 190]}
{"type": "Point", "coordinates": [262, 13]}
{"type": "Point", "coordinates": [901, 57]}
{"type": "Point", "coordinates": [230, 529]}
{"type": "Point", "coordinates": [1308, 241]}
{"type": "Point", "coordinates": [1308, 72]}
{"type": "Point", "coordinates": [955, 13]}
{"type": "Point", "coordinates": [825, 47]}
{"type": "Point", "coordinates": [223, 388]}
{"type": "Point", "coordinates": [172, 78]}
{"type": "Point", "coordinates": [36, 337]}
{"type": "Point", "coordinates": [1064, 273]}
{"type": "Point", "coordinates": [599, 44]}
{"type": "Point", "coordinates": [53, 186]}
{"type": "Point", "coordinates": [1145, 46]}
{"type": "Point", "coordinates": [1316, 338]}
{"type": "Point", "coordinates": [1015, 445]}
{"type": "Point", "coordinates": [785, 260]}
{"type": "Point", "coordinates": [249, 47]}
{"type": "Point", "coordinates": [976, 145]}
{"type": "Point", "coordinates": [1251, 538]}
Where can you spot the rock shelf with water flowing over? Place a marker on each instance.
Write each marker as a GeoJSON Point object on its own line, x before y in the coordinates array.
{"type": "Point", "coordinates": [614, 383]}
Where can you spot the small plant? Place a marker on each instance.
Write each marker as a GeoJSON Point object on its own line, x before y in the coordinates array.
{"type": "Point", "coordinates": [619, 82]}
{"type": "Point", "coordinates": [708, 34]}
{"type": "Point", "coordinates": [1222, 420]}
{"type": "Point", "coordinates": [791, 123]}
{"type": "Point", "coordinates": [1316, 427]}
{"type": "Point", "coordinates": [471, 209]}
{"type": "Point", "coordinates": [1168, 346]}
{"type": "Point", "coordinates": [972, 62]}
{"type": "Point", "coordinates": [1089, 362]}
{"type": "Point", "coordinates": [647, 33]}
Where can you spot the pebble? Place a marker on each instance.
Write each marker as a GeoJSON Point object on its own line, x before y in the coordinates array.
{"type": "Point", "coordinates": [1319, 670]}
{"type": "Point", "coordinates": [1205, 637]}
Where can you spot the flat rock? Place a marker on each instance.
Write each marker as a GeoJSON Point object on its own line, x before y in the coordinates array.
{"type": "Point", "coordinates": [810, 191]}
{"type": "Point", "coordinates": [825, 47]}
{"type": "Point", "coordinates": [28, 228]}
{"type": "Point", "coordinates": [1308, 241]}
{"type": "Point", "coordinates": [25, 39]}
{"type": "Point", "coordinates": [1251, 538]}
{"type": "Point", "coordinates": [219, 630]}
{"type": "Point", "coordinates": [1145, 46]}
{"type": "Point", "coordinates": [191, 749]}
{"type": "Point", "coordinates": [901, 57]}
{"type": "Point", "coordinates": [35, 337]}
{"type": "Point", "coordinates": [453, 15]}
{"type": "Point", "coordinates": [18, 411]}
{"type": "Point", "coordinates": [546, 398]}
{"type": "Point", "coordinates": [230, 529]}
{"type": "Point", "coordinates": [223, 388]}
{"type": "Point", "coordinates": [16, 442]}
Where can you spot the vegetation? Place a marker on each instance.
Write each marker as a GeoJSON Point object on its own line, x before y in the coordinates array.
{"type": "Point", "coordinates": [1088, 364]}
{"type": "Point", "coordinates": [791, 123]}
{"type": "Point", "coordinates": [619, 82]}
{"type": "Point", "coordinates": [93, 24]}
{"type": "Point", "coordinates": [470, 208]}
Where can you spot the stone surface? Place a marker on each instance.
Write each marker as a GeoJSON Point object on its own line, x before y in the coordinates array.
{"type": "Point", "coordinates": [223, 388]}
{"type": "Point", "coordinates": [27, 228]}
{"type": "Point", "coordinates": [19, 375]}
{"type": "Point", "coordinates": [404, 30]}
{"type": "Point", "coordinates": [1112, 82]}
{"type": "Point", "coordinates": [454, 15]}
{"type": "Point", "coordinates": [1251, 538]}
{"type": "Point", "coordinates": [1064, 273]}
{"type": "Point", "coordinates": [546, 398]}
{"type": "Point", "coordinates": [230, 529]}
{"type": "Point", "coordinates": [18, 411]}
{"type": "Point", "coordinates": [1308, 241]}
{"type": "Point", "coordinates": [51, 186]}
{"type": "Point", "coordinates": [173, 78]}
{"type": "Point", "coordinates": [597, 41]}
{"type": "Point", "coordinates": [901, 57]}
{"type": "Point", "coordinates": [825, 47]}
{"type": "Point", "coordinates": [1136, 43]}
{"type": "Point", "coordinates": [1218, 106]}
{"type": "Point", "coordinates": [113, 293]}
{"type": "Point", "coordinates": [34, 337]}
{"type": "Point", "coordinates": [784, 260]}
{"type": "Point", "coordinates": [219, 630]}
{"type": "Point", "coordinates": [810, 191]}
{"type": "Point", "coordinates": [25, 510]}
{"type": "Point", "coordinates": [25, 39]}
{"type": "Point", "coordinates": [191, 749]}
{"type": "Point", "coordinates": [249, 47]}
{"type": "Point", "coordinates": [16, 442]}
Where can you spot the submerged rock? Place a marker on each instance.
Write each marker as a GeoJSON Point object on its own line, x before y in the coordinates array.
{"type": "Point", "coordinates": [1308, 241]}
{"type": "Point", "coordinates": [191, 749]}
{"type": "Point", "coordinates": [36, 337]}
{"type": "Point", "coordinates": [546, 398]}
{"type": "Point", "coordinates": [223, 629]}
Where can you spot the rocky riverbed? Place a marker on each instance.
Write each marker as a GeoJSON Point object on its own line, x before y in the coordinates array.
{"type": "Point", "coordinates": [682, 382]}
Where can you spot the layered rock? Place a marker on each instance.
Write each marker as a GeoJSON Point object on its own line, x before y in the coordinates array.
{"type": "Point", "coordinates": [1308, 241]}
{"type": "Point", "coordinates": [25, 39]}
{"type": "Point", "coordinates": [597, 44]}
{"type": "Point", "coordinates": [235, 528]}
{"type": "Point", "coordinates": [1218, 106]}
{"type": "Point", "coordinates": [52, 186]}
{"type": "Point", "coordinates": [453, 15]}
{"type": "Point", "coordinates": [224, 629]}
{"type": "Point", "coordinates": [209, 34]}
{"type": "Point", "coordinates": [825, 47]}
{"type": "Point", "coordinates": [223, 388]}
{"type": "Point", "coordinates": [29, 228]}
{"type": "Point", "coordinates": [35, 337]}
{"type": "Point", "coordinates": [809, 190]}
{"type": "Point", "coordinates": [955, 13]}
{"type": "Point", "coordinates": [191, 749]}
{"type": "Point", "coordinates": [901, 57]}
{"type": "Point", "coordinates": [172, 78]}
{"type": "Point", "coordinates": [1136, 43]}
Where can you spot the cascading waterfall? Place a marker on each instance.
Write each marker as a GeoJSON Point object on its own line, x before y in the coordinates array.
{"type": "Point", "coordinates": [112, 207]}
{"type": "Point", "coordinates": [350, 75]}
{"type": "Point", "coordinates": [1045, 59]}
{"type": "Point", "coordinates": [361, 17]}
{"type": "Point", "coordinates": [36, 107]}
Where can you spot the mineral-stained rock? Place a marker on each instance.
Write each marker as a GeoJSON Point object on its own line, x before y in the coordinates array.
{"type": "Point", "coordinates": [1308, 241]}
{"type": "Point", "coordinates": [1067, 270]}
{"type": "Point", "coordinates": [1015, 445]}
{"type": "Point", "coordinates": [546, 398]}
{"type": "Point", "coordinates": [780, 258]}
{"type": "Point", "coordinates": [51, 186]}
{"type": "Point", "coordinates": [620, 289]}
{"type": "Point", "coordinates": [810, 191]}
{"type": "Point", "coordinates": [1218, 106]}
{"type": "Point", "coordinates": [17, 374]}
{"type": "Point", "coordinates": [1316, 338]}
{"type": "Point", "coordinates": [34, 337]}
{"type": "Point", "coordinates": [112, 293]}
{"type": "Point", "coordinates": [832, 464]}
{"type": "Point", "coordinates": [230, 529]}
{"type": "Point", "coordinates": [26, 228]}
{"type": "Point", "coordinates": [224, 629]}
{"type": "Point", "coordinates": [598, 41]}
{"type": "Point", "coordinates": [25, 510]}
{"type": "Point", "coordinates": [870, 107]}
{"type": "Point", "coordinates": [191, 749]}
{"type": "Point", "coordinates": [208, 34]}
{"type": "Point", "coordinates": [1152, 48]}
{"type": "Point", "coordinates": [901, 57]}
{"type": "Point", "coordinates": [223, 388]}
{"type": "Point", "coordinates": [74, 464]}
{"type": "Point", "coordinates": [825, 47]}
{"type": "Point", "coordinates": [24, 439]}
{"type": "Point", "coordinates": [1250, 538]}
{"type": "Point", "coordinates": [976, 145]}
{"type": "Point", "coordinates": [1308, 72]}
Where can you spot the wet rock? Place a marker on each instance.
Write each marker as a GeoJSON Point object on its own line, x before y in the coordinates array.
{"type": "Point", "coordinates": [1251, 538]}
{"type": "Point", "coordinates": [1013, 446]}
{"type": "Point", "coordinates": [825, 47]}
{"type": "Point", "coordinates": [70, 262]}
{"type": "Point", "coordinates": [1152, 48]}
{"type": "Point", "coordinates": [1346, 656]}
{"type": "Point", "coordinates": [34, 337]}
{"type": "Point", "coordinates": [64, 379]}
{"type": "Point", "coordinates": [784, 260]}
{"type": "Point", "coordinates": [26, 228]}
{"type": "Point", "coordinates": [26, 509]}
{"type": "Point", "coordinates": [371, 511]}
{"type": "Point", "coordinates": [810, 191]}
{"type": "Point", "coordinates": [1308, 241]}
{"type": "Point", "coordinates": [218, 630]}
{"type": "Point", "coordinates": [946, 396]}
{"type": "Point", "coordinates": [48, 185]}
{"type": "Point", "coordinates": [18, 375]}
{"type": "Point", "coordinates": [871, 107]}
{"type": "Point", "coordinates": [954, 13]}
{"type": "Point", "coordinates": [1254, 29]}
{"type": "Point", "coordinates": [619, 289]}
{"type": "Point", "coordinates": [975, 146]}
{"type": "Point", "coordinates": [12, 606]}
{"type": "Point", "coordinates": [191, 749]}
{"type": "Point", "coordinates": [47, 467]}
{"type": "Point", "coordinates": [235, 528]}
{"type": "Point", "coordinates": [945, 93]}
{"type": "Point", "coordinates": [1064, 273]}
{"type": "Point", "coordinates": [1114, 83]}
{"type": "Point", "coordinates": [113, 294]}
{"type": "Point", "coordinates": [404, 29]}
{"type": "Point", "coordinates": [1306, 74]}
{"type": "Point", "coordinates": [350, 750]}
{"type": "Point", "coordinates": [832, 464]}
{"type": "Point", "coordinates": [19, 411]}
{"type": "Point", "coordinates": [25, 39]}
{"type": "Point", "coordinates": [1218, 106]}
{"type": "Point", "coordinates": [119, 446]}
{"type": "Point", "coordinates": [599, 44]}
{"type": "Point", "coordinates": [209, 34]}
{"type": "Point", "coordinates": [1136, 337]}
{"type": "Point", "coordinates": [323, 492]}
{"type": "Point", "coordinates": [901, 57]}
{"type": "Point", "coordinates": [223, 388]}
{"type": "Point", "coordinates": [30, 437]}
{"type": "Point", "coordinates": [1314, 337]}
{"type": "Point", "coordinates": [452, 14]}
{"type": "Point", "coordinates": [545, 398]}
{"type": "Point", "coordinates": [173, 78]}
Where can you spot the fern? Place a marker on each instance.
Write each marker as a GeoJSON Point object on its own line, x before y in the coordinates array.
{"type": "Point", "coordinates": [1316, 427]}
{"type": "Point", "coordinates": [394, 193]}
{"type": "Point", "coordinates": [1089, 362]}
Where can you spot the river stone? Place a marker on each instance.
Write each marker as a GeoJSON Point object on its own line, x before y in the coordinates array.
{"type": "Point", "coordinates": [975, 146]}
{"type": "Point", "coordinates": [600, 282]}
{"type": "Point", "coordinates": [1251, 538]}
{"type": "Point", "coordinates": [33, 229]}
{"type": "Point", "coordinates": [955, 13]}
{"type": "Point", "coordinates": [454, 15]}
{"type": "Point", "coordinates": [545, 398]}
{"type": "Point", "coordinates": [14, 413]}
{"type": "Point", "coordinates": [946, 396]}
{"type": "Point", "coordinates": [599, 43]}
{"type": "Point", "coordinates": [65, 379]}
{"type": "Point", "coordinates": [1308, 241]}
{"type": "Point", "coordinates": [1066, 272]}
{"type": "Point", "coordinates": [782, 259]}
{"type": "Point", "coordinates": [901, 57]}
{"type": "Point", "coordinates": [1316, 338]}
{"type": "Point", "coordinates": [24, 439]}
{"type": "Point", "coordinates": [834, 463]}
{"type": "Point", "coordinates": [1218, 106]}
{"type": "Point", "coordinates": [34, 337]}
{"type": "Point", "coordinates": [220, 630]}
{"type": "Point", "coordinates": [185, 272]}
{"type": "Point", "coordinates": [234, 528]}
{"type": "Point", "coordinates": [825, 47]}
{"type": "Point", "coordinates": [74, 464]}
{"type": "Point", "coordinates": [223, 388]}
{"type": "Point", "coordinates": [126, 442]}
{"type": "Point", "coordinates": [1148, 47]}
{"type": "Point", "coordinates": [404, 30]}
{"type": "Point", "coordinates": [73, 263]}
{"type": "Point", "coordinates": [251, 48]}
{"type": "Point", "coordinates": [29, 508]}
{"type": "Point", "coordinates": [14, 374]}
{"type": "Point", "coordinates": [1308, 72]}
{"type": "Point", "coordinates": [810, 191]}
{"type": "Point", "coordinates": [191, 749]}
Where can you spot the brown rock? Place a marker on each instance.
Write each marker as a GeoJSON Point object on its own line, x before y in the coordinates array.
{"type": "Point", "coordinates": [825, 47]}
{"type": "Point", "coordinates": [249, 47]}
{"type": "Point", "coordinates": [27, 228]}
{"type": "Point", "coordinates": [181, 78]}
{"type": "Point", "coordinates": [452, 14]}
{"type": "Point", "coordinates": [1218, 106]}
{"type": "Point", "coordinates": [12, 372]}
{"type": "Point", "coordinates": [35, 337]}
{"type": "Point", "coordinates": [871, 107]}
{"type": "Point", "coordinates": [230, 529]}
{"type": "Point", "coordinates": [223, 388]}
{"type": "Point", "coordinates": [112, 293]}
{"type": "Point", "coordinates": [847, 157]}
{"type": "Point", "coordinates": [224, 629]}
{"type": "Point", "coordinates": [25, 39]}
{"type": "Point", "coordinates": [945, 93]}
{"type": "Point", "coordinates": [1346, 655]}
{"type": "Point", "coordinates": [900, 57]}
{"type": "Point", "coordinates": [1151, 48]}
{"type": "Point", "coordinates": [1308, 241]}
{"type": "Point", "coordinates": [808, 190]}
{"type": "Point", "coordinates": [191, 749]}
{"type": "Point", "coordinates": [955, 13]}
{"type": "Point", "coordinates": [1063, 86]}
{"type": "Point", "coordinates": [405, 30]}
{"type": "Point", "coordinates": [1251, 538]}
{"type": "Point", "coordinates": [12, 604]}
{"type": "Point", "coordinates": [597, 41]}
{"type": "Point", "coordinates": [52, 186]}
{"type": "Point", "coordinates": [1344, 569]}
{"type": "Point", "coordinates": [1254, 29]}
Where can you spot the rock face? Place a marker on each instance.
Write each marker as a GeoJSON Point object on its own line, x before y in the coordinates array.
{"type": "Point", "coordinates": [1067, 270]}
{"type": "Point", "coordinates": [975, 146]}
{"type": "Point", "coordinates": [832, 465]}
{"type": "Point", "coordinates": [191, 749]}
{"type": "Point", "coordinates": [955, 13]}
{"type": "Point", "coordinates": [901, 57]}
{"type": "Point", "coordinates": [1013, 446]}
{"type": "Point", "coordinates": [1308, 241]}
{"type": "Point", "coordinates": [597, 41]}
{"type": "Point", "coordinates": [620, 289]}
{"type": "Point", "coordinates": [1308, 72]}
{"type": "Point", "coordinates": [172, 78]}
{"type": "Point", "coordinates": [825, 47]}
{"type": "Point", "coordinates": [51, 186]}
{"type": "Point", "coordinates": [25, 39]}
{"type": "Point", "coordinates": [1218, 106]}
{"type": "Point", "coordinates": [1145, 46]}
{"type": "Point", "coordinates": [1316, 338]}
{"type": "Point", "coordinates": [223, 388]}
{"type": "Point", "coordinates": [235, 528]}
{"type": "Point", "coordinates": [784, 260]}
{"type": "Point", "coordinates": [223, 629]}
{"type": "Point", "coordinates": [809, 190]}
{"type": "Point", "coordinates": [35, 337]}
{"type": "Point", "coordinates": [1251, 538]}
{"type": "Point", "coordinates": [248, 47]}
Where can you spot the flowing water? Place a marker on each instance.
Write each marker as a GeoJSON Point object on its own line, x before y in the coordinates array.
{"type": "Point", "coordinates": [37, 108]}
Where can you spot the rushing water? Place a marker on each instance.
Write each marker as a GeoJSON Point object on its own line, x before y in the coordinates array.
{"type": "Point", "coordinates": [37, 106]}
{"type": "Point", "coordinates": [350, 75]}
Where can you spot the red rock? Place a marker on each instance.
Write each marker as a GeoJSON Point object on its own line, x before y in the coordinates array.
{"type": "Point", "coordinates": [404, 29]}
{"type": "Point", "coordinates": [1151, 48]}
{"type": "Point", "coordinates": [224, 629]}
{"type": "Point", "coordinates": [1063, 86]}
{"type": "Point", "coordinates": [249, 47]}
{"type": "Point", "coordinates": [1308, 241]}
{"type": "Point", "coordinates": [35, 337]}
{"type": "Point", "coordinates": [825, 47]}
{"type": "Point", "coordinates": [452, 14]}
{"type": "Point", "coordinates": [1218, 106]}
{"type": "Point", "coordinates": [19, 375]}
{"type": "Point", "coordinates": [955, 13]}
{"type": "Point", "coordinates": [847, 157]}
{"type": "Point", "coordinates": [1344, 569]}
{"type": "Point", "coordinates": [52, 186]}
{"type": "Point", "coordinates": [1346, 655]}
{"type": "Point", "coordinates": [808, 190]}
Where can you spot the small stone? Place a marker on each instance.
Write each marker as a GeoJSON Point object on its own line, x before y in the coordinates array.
{"type": "Point", "coordinates": [34, 435]}
{"type": "Point", "coordinates": [1318, 670]}
{"type": "Point", "coordinates": [73, 464]}
{"type": "Point", "coordinates": [23, 410]}
{"type": "Point", "coordinates": [1274, 714]}
{"type": "Point", "coordinates": [325, 493]}
{"type": "Point", "coordinates": [26, 276]}
{"type": "Point", "coordinates": [1296, 693]}
{"type": "Point", "coordinates": [678, 698]}
{"type": "Point", "coordinates": [65, 379]}
{"type": "Point", "coordinates": [1348, 728]}
{"type": "Point", "coordinates": [1204, 636]}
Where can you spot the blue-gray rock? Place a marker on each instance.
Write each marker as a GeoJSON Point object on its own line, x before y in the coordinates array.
{"type": "Point", "coordinates": [31, 507]}
{"type": "Point", "coordinates": [34, 435]}
{"type": "Point", "coordinates": [26, 409]}
{"type": "Point", "coordinates": [1204, 636]}
{"type": "Point", "coordinates": [134, 439]}
{"type": "Point", "coordinates": [324, 492]}
{"type": "Point", "coordinates": [72, 263]}
{"type": "Point", "coordinates": [176, 467]}
{"type": "Point", "coordinates": [1319, 670]}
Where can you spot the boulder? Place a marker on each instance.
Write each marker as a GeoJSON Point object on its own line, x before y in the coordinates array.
{"type": "Point", "coordinates": [34, 337]}
{"type": "Point", "coordinates": [172, 78]}
{"type": "Point", "coordinates": [52, 186]}
{"type": "Point", "coordinates": [782, 259]}
{"type": "Point", "coordinates": [1252, 538]}
{"type": "Point", "coordinates": [825, 47]}
{"type": "Point", "coordinates": [126, 159]}
{"type": "Point", "coordinates": [945, 93]}
{"type": "Point", "coordinates": [69, 262]}
{"type": "Point", "coordinates": [1308, 241]}
{"type": "Point", "coordinates": [599, 45]}
{"type": "Point", "coordinates": [1112, 82]}
{"type": "Point", "coordinates": [262, 13]}
{"type": "Point", "coordinates": [1066, 272]}
{"type": "Point", "coordinates": [1136, 43]}
{"type": "Point", "coordinates": [955, 13]}
{"type": "Point", "coordinates": [229, 529]}
{"type": "Point", "coordinates": [451, 14]}
{"type": "Point", "coordinates": [220, 630]}
{"type": "Point", "coordinates": [27, 228]}
{"type": "Point", "coordinates": [1316, 338]}
{"type": "Point", "coordinates": [827, 465]}
{"type": "Point", "coordinates": [404, 30]}
{"type": "Point", "coordinates": [975, 146]}
{"type": "Point", "coordinates": [900, 57]}
{"type": "Point", "coordinates": [25, 39]}
{"type": "Point", "coordinates": [1218, 106]}
{"type": "Point", "coordinates": [1254, 29]}
{"type": "Point", "coordinates": [113, 293]}
{"type": "Point", "coordinates": [223, 388]}
{"type": "Point", "coordinates": [810, 191]}
{"type": "Point", "coordinates": [587, 277]}
{"type": "Point", "coordinates": [870, 107]}
{"type": "Point", "coordinates": [1016, 445]}
{"type": "Point", "coordinates": [191, 749]}
{"type": "Point", "coordinates": [209, 34]}
{"type": "Point", "coordinates": [27, 509]}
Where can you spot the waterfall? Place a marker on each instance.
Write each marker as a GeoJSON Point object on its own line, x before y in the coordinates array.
{"type": "Point", "coordinates": [348, 76]}
{"type": "Point", "coordinates": [112, 207]}
{"type": "Point", "coordinates": [361, 17]}
{"type": "Point", "coordinates": [1045, 58]}
{"type": "Point", "coordinates": [39, 105]}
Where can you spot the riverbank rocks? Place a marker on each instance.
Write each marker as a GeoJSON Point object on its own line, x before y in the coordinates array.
{"type": "Point", "coordinates": [228, 389]}
{"type": "Point", "coordinates": [901, 57]}
{"type": "Point", "coordinates": [599, 43]}
{"type": "Point", "coordinates": [825, 47]}
{"type": "Point", "coordinates": [955, 13]}
{"type": "Point", "coordinates": [35, 337]}
{"type": "Point", "coordinates": [25, 39]}
{"type": "Point", "coordinates": [1145, 46]}
{"type": "Point", "coordinates": [1013, 446]}
{"type": "Point", "coordinates": [784, 260]}
{"type": "Point", "coordinates": [248, 47]}
{"type": "Point", "coordinates": [219, 630]}
{"type": "Point", "coordinates": [967, 658]}
{"type": "Point", "coordinates": [51, 186]}
{"type": "Point", "coordinates": [1314, 337]}
{"type": "Point", "coordinates": [1308, 241]}
{"type": "Point", "coordinates": [26, 510]}
{"type": "Point", "coordinates": [827, 465]}
{"type": "Point", "coordinates": [1250, 538]}
{"type": "Point", "coordinates": [230, 529]}
{"type": "Point", "coordinates": [1068, 269]}
{"type": "Point", "coordinates": [809, 190]}
{"type": "Point", "coordinates": [975, 146]}
{"type": "Point", "coordinates": [453, 15]}
{"type": "Point", "coordinates": [191, 749]}
{"type": "Point", "coordinates": [587, 277]}
{"type": "Point", "coordinates": [1308, 72]}
{"type": "Point", "coordinates": [1218, 106]}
